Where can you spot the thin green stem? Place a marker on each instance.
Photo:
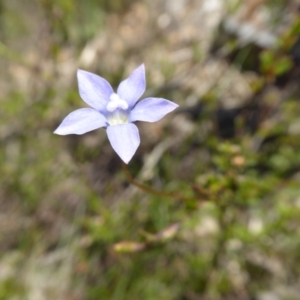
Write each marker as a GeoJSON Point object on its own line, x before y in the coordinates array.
{"type": "Point", "coordinates": [144, 187]}
{"type": "Point", "coordinates": [150, 190]}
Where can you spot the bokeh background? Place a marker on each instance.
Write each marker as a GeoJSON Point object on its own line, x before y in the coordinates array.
{"type": "Point", "coordinates": [73, 228]}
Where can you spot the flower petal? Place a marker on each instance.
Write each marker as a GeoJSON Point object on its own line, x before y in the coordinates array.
{"type": "Point", "coordinates": [81, 121]}
{"type": "Point", "coordinates": [124, 139]}
{"type": "Point", "coordinates": [132, 88]}
{"type": "Point", "coordinates": [94, 90]}
{"type": "Point", "coordinates": [151, 109]}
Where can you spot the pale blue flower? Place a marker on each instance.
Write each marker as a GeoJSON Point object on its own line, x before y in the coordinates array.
{"type": "Point", "coordinates": [115, 111]}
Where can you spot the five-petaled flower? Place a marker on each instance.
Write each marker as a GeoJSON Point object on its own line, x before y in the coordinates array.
{"type": "Point", "coordinates": [115, 111]}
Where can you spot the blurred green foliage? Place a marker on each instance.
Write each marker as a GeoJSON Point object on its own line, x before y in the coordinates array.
{"type": "Point", "coordinates": [66, 210]}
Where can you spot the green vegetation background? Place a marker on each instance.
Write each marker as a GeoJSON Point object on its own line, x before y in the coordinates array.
{"type": "Point", "coordinates": [71, 227]}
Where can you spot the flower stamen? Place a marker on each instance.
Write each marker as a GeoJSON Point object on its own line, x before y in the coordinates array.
{"type": "Point", "coordinates": [117, 110]}
{"type": "Point", "coordinates": [115, 103]}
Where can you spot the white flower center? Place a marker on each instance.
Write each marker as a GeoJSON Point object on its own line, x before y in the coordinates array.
{"type": "Point", "coordinates": [116, 102]}
{"type": "Point", "coordinates": [117, 108]}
